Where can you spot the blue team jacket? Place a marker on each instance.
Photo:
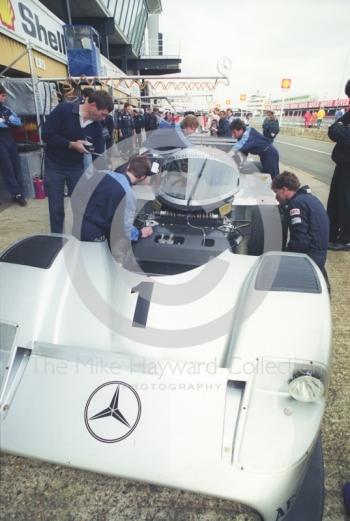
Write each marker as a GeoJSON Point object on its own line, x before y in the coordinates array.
{"type": "Point", "coordinates": [63, 126]}
{"type": "Point", "coordinates": [125, 123]}
{"type": "Point", "coordinates": [308, 226]}
{"type": "Point", "coordinates": [112, 195]}
{"type": "Point", "coordinates": [10, 119]}
{"type": "Point", "coordinates": [252, 142]}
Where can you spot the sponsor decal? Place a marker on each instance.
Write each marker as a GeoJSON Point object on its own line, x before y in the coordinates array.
{"type": "Point", "coordinates": [112, 412]}
{"type": "Point", "coordinates": [294, 211]}
{"type": "Point", "coordinates": [33, 27]}
{"type": "Point", "coordinates": [296, 220]}
{"type": "Point", "coordinates": [34, 24]}
{"type": "Point", "coordinates": [7, 14]}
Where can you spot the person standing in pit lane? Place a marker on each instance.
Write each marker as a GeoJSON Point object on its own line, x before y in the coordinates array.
{"type": "Point", "coordinates": [67, 131]}
{"type": "Point", "coordinates": [139, 125]}
{"type": "Point", "coordinates": [223, 126]}
{"type": "Point", "coordinates": [321, 114]}
{"type": "Point", "coordinates": [314, 119]}
{"type": "Point", "coordinates": [339, 113]}
{"type": "Point", "coordinates": [307, 119]}
{"type": "Point", "coordinates": [305, 216]}
{"type": "Point", "coordinates": [9, 158]}
{"type": "Point", "coordinates": [126, 129]}
{"type": "Point", "coordinates": [250, 141]}
{"type": "Point", "coordinates": [270, 126]}
{"type": "Point", "coordinates": [151, 119]}
{"type": "Point", "coordinates": [338, 205]}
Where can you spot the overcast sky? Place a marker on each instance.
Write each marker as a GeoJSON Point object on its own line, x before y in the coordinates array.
{"type": "Point", "coordinates": [266, 40]}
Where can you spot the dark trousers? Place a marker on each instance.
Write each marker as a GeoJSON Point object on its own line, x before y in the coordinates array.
{"type": "Point", "coordinates": [10, 165]}
{"type": "Point", "coordinates": [338, 205]}
{"type": "Point", "coordinates": [270, 161]}
{"type": "Point", "coordinates": [56, 176]}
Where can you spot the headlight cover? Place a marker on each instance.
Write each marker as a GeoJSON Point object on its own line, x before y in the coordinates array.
{"type": "Point", "coordinates": [306, 388]}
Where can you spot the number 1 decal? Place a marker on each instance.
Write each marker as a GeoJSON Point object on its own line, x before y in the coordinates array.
{"type": "Point", "coordinates": [144, 290]}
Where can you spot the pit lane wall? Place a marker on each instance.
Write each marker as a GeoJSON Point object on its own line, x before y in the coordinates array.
{"type": "Point", "coordinates": [311, 133]}
{"type": "Point", "coordinates": [321, 134]}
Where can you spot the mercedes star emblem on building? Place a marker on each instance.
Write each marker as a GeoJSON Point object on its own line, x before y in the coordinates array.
{"type": "Point", "coordinates": [112, 412]}
{"type": "Point", "coordinates": [224, 65]}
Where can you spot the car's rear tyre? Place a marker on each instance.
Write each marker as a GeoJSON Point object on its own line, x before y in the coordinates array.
{"type": "Point", "coordinates": [266, 230]}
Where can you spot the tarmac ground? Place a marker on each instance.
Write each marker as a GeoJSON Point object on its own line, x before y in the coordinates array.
{"type": "Point", "coordinates": [38, 491]}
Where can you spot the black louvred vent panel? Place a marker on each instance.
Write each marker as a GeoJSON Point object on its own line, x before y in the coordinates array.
{"type": "Point", "coordinates": [38, 251]}
{"type": "Point", "coordinates": [287, 273]}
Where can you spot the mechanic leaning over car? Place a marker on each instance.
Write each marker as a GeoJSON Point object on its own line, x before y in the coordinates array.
{"type": "Point", "coordinates": [305, 216]}
{"type": "Point", "coordinates": [69, 129]}
{"type": "Point", "coordinates": [111, 209]}
{"type": "Point", "coordinates": [188, 125]}
{"type": "Point", "coordinates": [250, 141]}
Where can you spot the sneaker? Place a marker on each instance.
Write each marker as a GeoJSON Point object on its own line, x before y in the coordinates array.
{"type": "Point", "coordinates": [19, 199]}
{"type": "Point", "coordinates": [339, 246]}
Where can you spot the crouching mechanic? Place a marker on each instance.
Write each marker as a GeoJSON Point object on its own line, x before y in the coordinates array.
{"type": "Point", "coordinates": [307, 220]}
{"type": "Point", "coordinates": [111, 209]}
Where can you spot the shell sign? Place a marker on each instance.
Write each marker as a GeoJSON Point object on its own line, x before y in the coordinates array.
{"type": "Point", "coordinates": [7, 14]}
{"type": "Point", "coordinates": [286, 83]}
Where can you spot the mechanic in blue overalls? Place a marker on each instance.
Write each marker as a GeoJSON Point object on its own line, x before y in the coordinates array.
{"type": "Point", "coordinates": [250, 141]}
{"type": "Point", "coordinates": [306, 218]}
{"type": "Point", "coordinates": [126, 128]}
{"type": "Point", "coordinates": [164, 139]}
{"type": "Point", "coordinates": [9, 158]}
{"type": "Point", "coordinates": [111, 209]}
{"type": "Point", "coordinates": [139, 124]}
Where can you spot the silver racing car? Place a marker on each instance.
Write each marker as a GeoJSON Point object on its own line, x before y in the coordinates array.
{"type": "Point", "coordinates": [197, 359]}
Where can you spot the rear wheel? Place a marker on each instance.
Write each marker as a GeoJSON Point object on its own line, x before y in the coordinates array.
{"type": "Point", "coordinates": [266, 230]}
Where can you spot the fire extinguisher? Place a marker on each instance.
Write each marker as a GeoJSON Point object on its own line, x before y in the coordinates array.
{"type": "Point", "coordinates": [39, 188]}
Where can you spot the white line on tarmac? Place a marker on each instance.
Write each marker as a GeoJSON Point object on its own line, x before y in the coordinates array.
{"type": "Point", "coordinates": [304, 148]}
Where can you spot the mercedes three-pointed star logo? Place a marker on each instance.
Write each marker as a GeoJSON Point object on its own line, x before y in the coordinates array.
{"type": "Point", "coordinates": [112, 412]}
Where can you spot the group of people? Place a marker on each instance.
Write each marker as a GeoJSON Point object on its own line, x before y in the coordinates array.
{"type": "Point", "coordinates": [315, 118]}
{"type": "Point", "coordinates": [75, 130]}
{"type": "Point", "coordinates": [130, 124]}
{"type": "Point", "coordinates": [249, 140]}
{"type": "Point", "coordinates": [312, 229]}
{"type": "Point", "coordinates": [219, 121]}
{"type": "Point", "coordinates": [112, 204]}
